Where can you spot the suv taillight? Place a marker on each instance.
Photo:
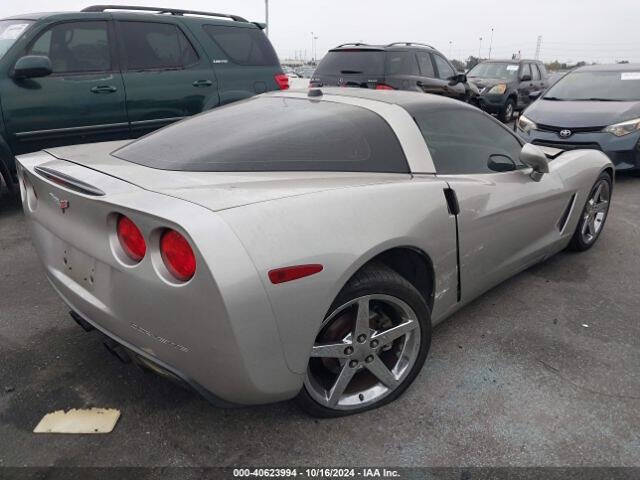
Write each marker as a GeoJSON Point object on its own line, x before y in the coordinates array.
{"type": "Point", "coordinates": [382, 86]}
{"type": "Point", "coordinates": [282, 80]}
{"type": "Point", "coordinates": [131, 239]}
{"type": "Point", "coordinates": [177, 255]}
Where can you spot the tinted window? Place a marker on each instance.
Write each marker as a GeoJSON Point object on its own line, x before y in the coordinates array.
{"type": "Point", "coordinates": [444, 69]}
{"type": "Point", "coordinates": [244, 46]}
{"type": "Point", "coordinates": [75, 47]}
{"type": "Point", "coordinates": [463, 141]}
{"type": "Point", "coordinates": [401, 63]}
{"type": "Point", "coordinates": [367, 62]}
{"type": "Point", "coordinates": [526, 70]}
{"type": "Point", "coordinates": [535, 72]}
{"type": "Point", "coordinates": [426, 66]}
{"type": "Point", "coordinates": [274, 134]}
{"type": "Point", "coordinates": [154, 46]}
{"type": "Point", "coordinates": [585, 85]}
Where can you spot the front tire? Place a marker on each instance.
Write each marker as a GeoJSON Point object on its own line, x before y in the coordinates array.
{"type": "Point", "coordinates": [593, 215]}
{"type": "Point", "coordinates": [506, 114]}
{"type": "Point", "coordinates": [370, 347]}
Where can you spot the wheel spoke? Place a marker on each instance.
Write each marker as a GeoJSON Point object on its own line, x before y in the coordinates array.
{"type": "Point", "coordinates": [592, 226]}
{"type": "Point", "coordinates": [597, 193]}
{"type": "Point", "coordinates": [388, 336]}
{"type": "Point", "coordinates": [601, 207]}
{"type": "Point", "coordinates": [330, 350]}
{"type": "Point", "coordinates": [380, 370]}
{"type": "Point", "coordinates": [341, 383]}
{"type": "Point", "coordinates": [362, 318]}
{"type": "Point", "coordinates": [585, 224]}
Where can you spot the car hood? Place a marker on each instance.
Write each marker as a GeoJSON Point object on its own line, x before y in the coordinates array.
{"type": "Point", "coordinates": [483, 82]}
{"type": "Point", "coordinates": [215, 190]}
{"type": "Point", "coordinates": [581, 114]}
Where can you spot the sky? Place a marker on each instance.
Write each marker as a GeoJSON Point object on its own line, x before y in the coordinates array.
{"type": "Point", "coordinates": [571, 30]}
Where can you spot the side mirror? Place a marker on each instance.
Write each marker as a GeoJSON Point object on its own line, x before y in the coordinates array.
{"type": "Point", "coordinates": [533, 96]}
{"type": "Point", "coordinates": [32, 66]}
{"type": "Point", "coordinates": [500, 163]}
{"type": "Point", "coordinates": [458, 78]}
{"type": "Point", "coordinates": [525, 78]}
{"type": "Point", "coordinates": [535, 158]}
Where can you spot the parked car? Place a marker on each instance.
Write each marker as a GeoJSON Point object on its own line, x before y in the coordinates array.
{"type": "Point", "coordinates": [106, 73]}
{"type": "Point", "coordinates": [596, 107]}
{"type": "Point", "coordinates": [397, 66]}
{"type": "Point", "coordinates": [505, 85]}
{"type": "Point", "coordinates": [306, 71]}
{"type": "Point", "coordinates": [302, 246]}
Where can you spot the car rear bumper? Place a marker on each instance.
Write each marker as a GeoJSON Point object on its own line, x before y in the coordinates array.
{"type": "Point", "coordinates": [216, 332]}
{"type": "Point", "coordinates": [624, 152]}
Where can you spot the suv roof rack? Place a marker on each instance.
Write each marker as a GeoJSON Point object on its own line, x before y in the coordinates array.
{"type": "Point", "coordinates": [410, 44]}
{"type": "Point", "coordinates": [355, 44]}
{"type": "Point", "coordinates": [172, 11]}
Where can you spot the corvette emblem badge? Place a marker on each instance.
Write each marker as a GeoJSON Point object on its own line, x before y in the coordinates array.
{"type": "Point", "coordinates": [63, 204]}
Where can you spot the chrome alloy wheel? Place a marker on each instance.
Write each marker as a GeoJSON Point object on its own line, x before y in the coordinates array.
{"type": "Point", "coordinates": [595, 211]}
{"type": "Point", "coordinates": [508, 112]}
{"type": "Point", "coordinates": [364, 350]}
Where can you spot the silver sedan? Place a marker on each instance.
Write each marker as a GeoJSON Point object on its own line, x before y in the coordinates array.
{"type": "Point", "coordinates": [302, 244]}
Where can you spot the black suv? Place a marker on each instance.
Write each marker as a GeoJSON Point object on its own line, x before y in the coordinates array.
{"type": "Point", "coordinates": [507, 85]}
{"type": "Point", "coordinates": [116, 72]}
{"type": "Point", "coordinates": [397, 66]}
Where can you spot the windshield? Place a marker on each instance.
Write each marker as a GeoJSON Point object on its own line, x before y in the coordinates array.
{"type": "Point", "coordinates": [345, 62]}
{"type": "Point", "coordinates": [503, 71]}
{"type": "Point", "coordinates": [602, 86]}
{"type": "Point", "coordinates": [10, 30]}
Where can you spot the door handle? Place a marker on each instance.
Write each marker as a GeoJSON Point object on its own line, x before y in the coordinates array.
{"type": "Point", "coordinates": [202, 83]}
{"type": "Point", "coordinates": [104, 89]}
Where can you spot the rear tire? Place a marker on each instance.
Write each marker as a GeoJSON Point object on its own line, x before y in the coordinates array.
{"type": "Point", "coordinates": [506, 114]}
{"type": "Point", "coordinates": [378, 366]}
{"type": "Point", "coordinates": [593, 215]}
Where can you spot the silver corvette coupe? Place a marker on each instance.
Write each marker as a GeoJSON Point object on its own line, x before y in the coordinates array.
{"type": "Point", "coordinates": [302, 244]}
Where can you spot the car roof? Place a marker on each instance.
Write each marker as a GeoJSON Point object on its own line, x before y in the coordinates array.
{"type": "Point", "coordinates": [403, 98]}
{"type": "Point", "coordinates": [395, 46]}
{"type": "Point", "coordinates": [498, 60]}
{"type": "Point", "coordinates": [615, 67]}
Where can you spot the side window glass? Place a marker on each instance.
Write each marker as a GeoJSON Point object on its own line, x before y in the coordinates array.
{"type": "Point", "coordinates": [401, 63]}
{"type": "Point", "coordinates": [444, 70]}
{"type": "Point", "coordinates": [526, 70]}
{"type": "Point", "coordinates": [243, 46]}
{"type": "Point", "coordinates": [535, 72]}
{"type": "Point", "coordinates": [425, 64]}
{"type": "Point", "coordinates": [75, 47]}
{"type": "Point", "coordinates": [463, 141]}
{"type": "Point", "coordinates": [155, 46]}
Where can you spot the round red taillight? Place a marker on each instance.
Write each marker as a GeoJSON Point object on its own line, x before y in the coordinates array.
{"type": "Point", "coordinates": [131, 239]}
{"type": "Point", "coordinates": [177, 255]}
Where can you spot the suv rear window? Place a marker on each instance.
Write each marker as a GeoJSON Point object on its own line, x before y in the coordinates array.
{"type": "Point", "coordinates": [365, 62]}
{"type": "Point", "coordinates": [243, 46]}
{"type": "Point", "coordinates": [274, 134]}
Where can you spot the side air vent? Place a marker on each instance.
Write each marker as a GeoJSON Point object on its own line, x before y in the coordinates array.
{"type": "Point", "coordinates": [562, 222]}
{"type": "Point", "coordinates": [69, 182]}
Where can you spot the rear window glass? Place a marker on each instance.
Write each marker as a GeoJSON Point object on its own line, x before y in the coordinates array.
{"type": "Point", "coordinates": [243, 46]}
{"type": "Point", "coordinates": [357, 62]}
{"type": "Point", "coordinates": [273, 134]}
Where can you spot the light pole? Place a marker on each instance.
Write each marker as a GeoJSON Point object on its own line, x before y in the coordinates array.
{"type": "Point", "coordinates": [266, 17]}
{"type": "Point", "coordinates": [491, 43]}
{"type": "Point", "coordinates": [312, 46]}
{"type": "Point", "coordinates": [450, 44]}
{"type": "Point", "coordinates": [479, 48]}
{"type": "Point", "coordinates": [315, 50]}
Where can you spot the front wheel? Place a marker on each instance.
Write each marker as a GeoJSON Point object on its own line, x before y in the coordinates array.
{"type": "Point", "coordinates": [593, 215]}
{"type": "Point", "coordinates": [506, 114]}
{"type": "Point", "coordinates": [370, 346]}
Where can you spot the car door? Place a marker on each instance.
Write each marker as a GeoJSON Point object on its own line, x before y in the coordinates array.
{"type": "Point", "coordinates": [167, 77]}
{"type": "Point", "coordinates": [428, 82]}
{"type": "Point", "coordinates": [525, 84]}
{"type": "Point", "coordinates": [83, 100]}
{"type": "Point", "coordinates": [444, 71]}
{"type": "Point", "coordinates": [507, 221]}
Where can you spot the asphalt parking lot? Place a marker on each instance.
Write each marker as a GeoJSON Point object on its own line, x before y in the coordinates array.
{"type": "Point", "coordinates": [543, 370]}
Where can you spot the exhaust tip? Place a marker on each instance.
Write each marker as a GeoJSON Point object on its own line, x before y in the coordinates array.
{"type": "Point", "coordinates": [86, 326]}
{"type": "Point", "coordinates": [117, 350]}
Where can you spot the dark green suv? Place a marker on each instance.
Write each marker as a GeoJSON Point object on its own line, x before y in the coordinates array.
{"type": "Point", "coordinates": [117, 72]}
